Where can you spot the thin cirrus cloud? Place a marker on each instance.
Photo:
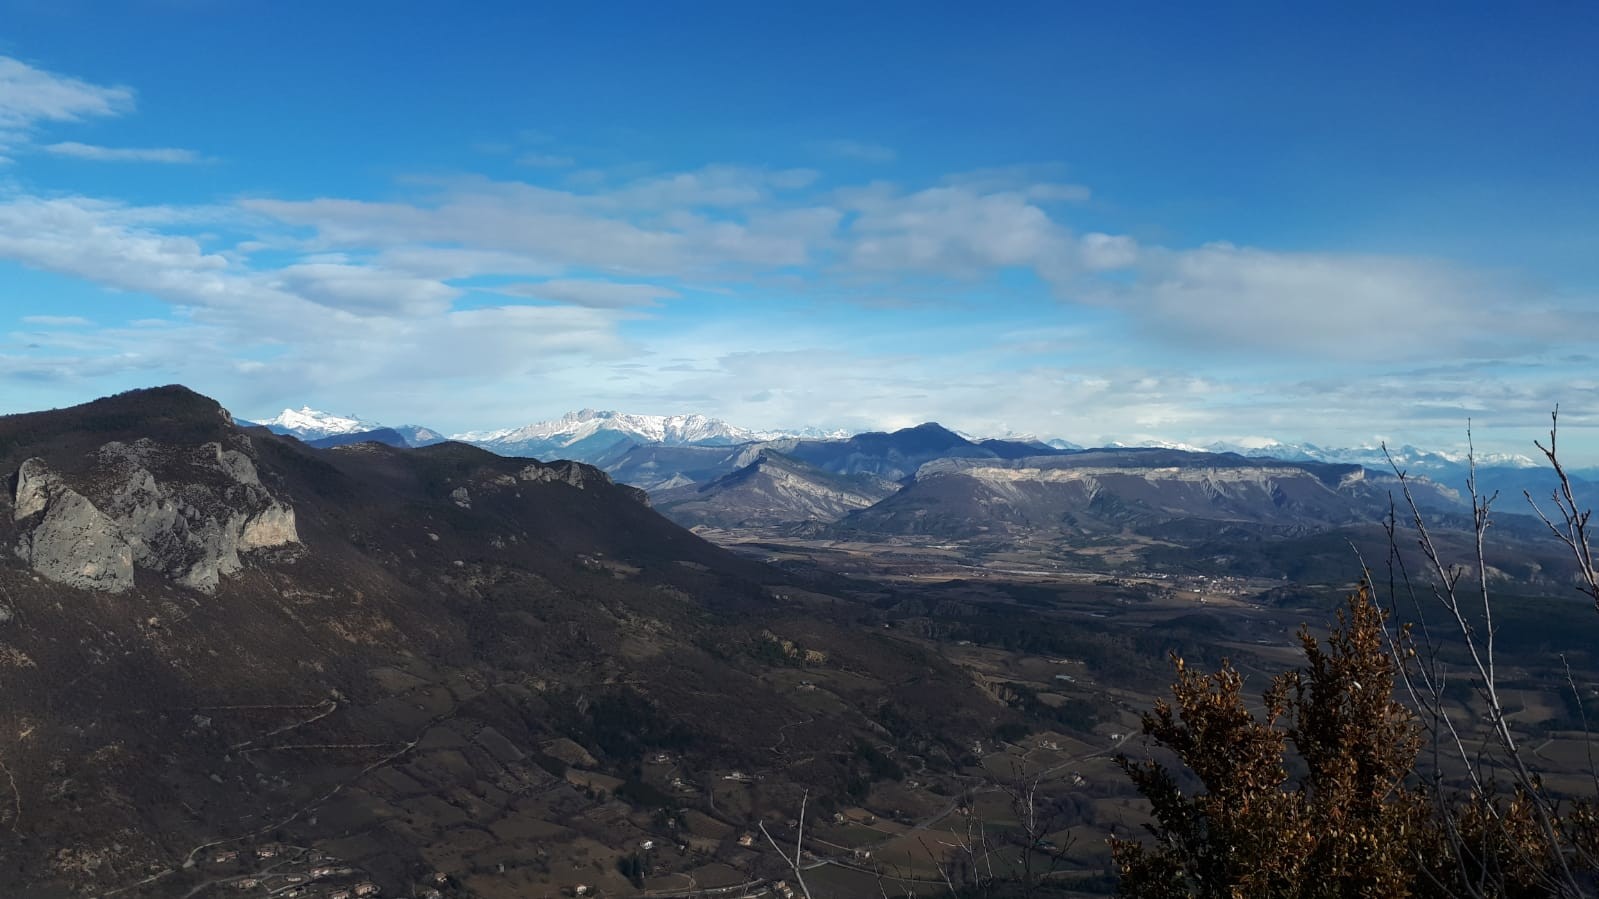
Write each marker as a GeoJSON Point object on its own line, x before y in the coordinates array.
{"type": "Point", "coordinates": [596, 294]}
{"type": "Point", "coordinates": [754, 220]}
{"type": "Point", "coordinates": [57, 321]}
{"type": "Point", "coordinates": [1229, 299]}
{"type": "Point", "coordinates": [1217, 297]}
{"type": "Point", "coordinates": [93, 153]}
{"type": "Point", "coordinates": [861, 151]}
{"type": "Point", "coordinates": [30, 96]}
{"type": "Point", "coordinates": [695, 221]}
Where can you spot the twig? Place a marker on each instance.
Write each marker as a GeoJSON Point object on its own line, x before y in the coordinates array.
{"type": "Point", "coordinates": [16, 794]}
{"type": "Point", "coordinates": [799, 840]}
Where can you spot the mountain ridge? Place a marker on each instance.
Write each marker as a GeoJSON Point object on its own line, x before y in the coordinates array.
{"type": "Point", "coordinates": [772, 490]}
{"type": "Point", "coordinates": [572, 429]}
{"type": "Point", "coordinates": [432, 622]}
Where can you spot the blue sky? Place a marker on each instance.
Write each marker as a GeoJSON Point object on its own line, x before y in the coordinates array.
{"type": "Point", "coordinates": [1333, 224]}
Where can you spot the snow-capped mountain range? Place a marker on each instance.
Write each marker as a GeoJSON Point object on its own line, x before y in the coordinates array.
{"type": "Point", "coordinates": [1405, 456]}
{"type": "Point", "coordinates": [592, 430]}
{"type": "Point", "coordinates": [584, 429]}
{"type": "Point", "coordinates": [668, 429]}
{"type": "Point", "coordinates": [629, 446]}
{"type": "Point", "coordinates": [589, 433]}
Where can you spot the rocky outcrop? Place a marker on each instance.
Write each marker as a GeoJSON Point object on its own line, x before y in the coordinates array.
{"type": "Point", "coordinates": [577, 475]}
{"type": "Point", "coordinates": [70, 541]}
{"type": "Point", "coordinates": [190, 525]}
{"type": "Point", "coordinates": [574, 473]}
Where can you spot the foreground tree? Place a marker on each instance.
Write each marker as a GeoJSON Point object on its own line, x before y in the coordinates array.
{"type": "Point", "coordinates": [1321, 795]}
{"type": "Point", "coordinates": [1347, 822]}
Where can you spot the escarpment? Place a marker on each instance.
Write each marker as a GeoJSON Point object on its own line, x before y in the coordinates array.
{"type": "Point", "coordinates": [186, 513]}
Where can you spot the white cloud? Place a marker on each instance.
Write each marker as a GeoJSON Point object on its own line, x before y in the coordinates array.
{"type": "Point", "coordinates": [1242, 299]}
{"type": "Point", "coordinates": [720, 221]}
{"type": "Point", "coordinates": [57, 321]}
{"type": "Point", "coordinates": [364, 289]}
{"type": "Point", "coordinates": [1037, 183]}
{"type": "Point", "coordinates": [88, 238]}
{"type": "Point", "coordinates": [783, 380]}
{"type": "Point", "coordinates": [956, 230]}
{"type": "Point", "coordinates": [168, 155]}
{"type": "Point", "coordinates": [29, 96]}
{"type": "Point", "coordinates": [333, 318]}
{"type": "Point", "coordinates": [711, 186]}
{"type": "Point", "coordinates": [446, 263]}
{"type": "Point", "coordinates": [778, 380]}
{"type": "Point", "coordinates": [369, 302]}
{"type": "Point", "coordinates": [668, 225]}
{"type": "Point", "coordinates": [1102, 252]}
{"type": "Point", "coordinates": [599, 294]}
{"type": "Point", "coordinates": [108, 244]}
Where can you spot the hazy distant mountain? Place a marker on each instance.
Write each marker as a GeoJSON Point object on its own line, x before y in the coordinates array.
{"type": "Point", "coordinates": [1407, 457]}
{"type": "Point", "coordinates": [1509, 474]}
{"type": "Point", "coordinates": [656, 467]}
{"type": "Point", "coordinates": [887, 455]}
{"type": "Point", "coordinates": [1021, 449]}
{"type": "Point", "coordinates": [1026, 439]}
{"type": "Point", "coordinates": [585, 434]}
{"type": "Point", "coordinates": [772, 489]}
{"type": "Point", "coordinates": [630, 448]}
{"type": "Point", "coordinates": [416, 435]}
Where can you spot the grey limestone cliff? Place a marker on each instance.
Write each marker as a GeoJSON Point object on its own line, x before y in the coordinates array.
{"type": "Point", "coordinates": [186, 513]}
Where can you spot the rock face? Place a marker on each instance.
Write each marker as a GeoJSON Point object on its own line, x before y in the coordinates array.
{"type": "Point", "coordinates": [576, 474]}
{"type": "Point", "coordinates": [565, 472]}
{"type": "Point", "coordinates": [190, 524]}
{"type": "Point", "coordinates": [72, 542]}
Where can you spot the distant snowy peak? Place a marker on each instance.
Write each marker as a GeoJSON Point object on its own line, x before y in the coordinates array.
{"type": "Point", "coordinates": [1406, 457]}
{"type": "Point", "coordinates": [1010, 436]}
{"type": "Point", "coordinates": [417, 435]}
{"type": "Point", "coordinates": [671, 430]}
{"type": "Point", "coordinates": [1372, 456]}
{"type": "Point", "coordinates": [310, 424]}
{"type": "Point", "coordinates": [808, 434]}
{"type": "Point", "coordinates": [1163, 444]}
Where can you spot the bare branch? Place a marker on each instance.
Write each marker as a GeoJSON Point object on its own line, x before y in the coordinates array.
{"type": "Point", "coordinates": [799, 839]}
